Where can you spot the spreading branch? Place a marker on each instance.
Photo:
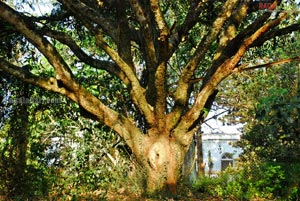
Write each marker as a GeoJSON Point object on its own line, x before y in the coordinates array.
{"type": "Point", "coordinates": [62, 70]}
{"type": "Point", "coordinates": [160, 20]}
{"type": "Point", "coordinates": [50, 83]}
{"type": "Point", "coordinates": [123, 34]}
{"type": "Point", "coordinates": [232, 46]}
{"type": "Point", "coordinates": [136, 90]}
{"type": "Point", "coordinates": [181, 94]}
{"type": "Point", "coordinates": [125, 127]}
{"type": "Point", "coordinates": [148, 33]}
{"type": "Point", "coordinates": [181, 31]}
{"type": "Point", "coordinates": [187, 121]}
{"type": "Point", "coordinates": [66, 39]}
{"type": "Point", "coordinates": [247, 67]}
{"type": "Point", "coordinates": [89, 15]}
{"type": "Point", "coordinates": [276, 33]}
{"type": "Point", "coordinates": [160, 79]}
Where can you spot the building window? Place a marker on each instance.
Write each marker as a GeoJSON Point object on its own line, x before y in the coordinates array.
{"type": "Point", "coordinates": [226, 161]}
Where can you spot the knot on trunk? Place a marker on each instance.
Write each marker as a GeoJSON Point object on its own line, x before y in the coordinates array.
{"type": "Point", "coordinates": [163, 165]}
{"type": "Point", "coordinates": [157, 155]}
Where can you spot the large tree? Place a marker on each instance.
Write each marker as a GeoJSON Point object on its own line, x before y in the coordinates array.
{"type": "Point", "coordinates": [169, 55]}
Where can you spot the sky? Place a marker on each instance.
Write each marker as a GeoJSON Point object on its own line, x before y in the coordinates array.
{"type": "Point", "coordinates": [213, 125]}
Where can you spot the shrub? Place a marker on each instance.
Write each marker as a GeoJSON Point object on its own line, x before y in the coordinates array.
{"type": "Point", "coordinates": [257, 181]}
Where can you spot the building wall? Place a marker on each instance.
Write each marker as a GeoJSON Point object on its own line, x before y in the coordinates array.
{"type": "Point", "coordinates": [219, 144]}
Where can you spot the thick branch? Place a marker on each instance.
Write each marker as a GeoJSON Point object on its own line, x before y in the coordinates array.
{"type": "Point", "coordinates": [231, 27]}
{"type": "Point", "coordinates": [188, 72]}
{"type": "Point", "coordinates": [233, 45]}
{"type": "Point", "coordinates": [147, 31]}
{"type": "Point", "coordinates": [125, 127]}
{"type": "Point", "coordinates": [191, 19]}
{"type": "Point", "coordinates": [222, 72]}
{"type": "Point", "coordinates": [274, 33]}
{"type": "Point", "coordinates": [247, 67]}
{"type": "Point", "coordinates": [160, 20]}
{"type": "Point", "coordinates": [123, 34]}
{"type": "Point", "coordinates": [160, 105]}
{"type": "Point", "coordinates": [181, 93]}
{"type": "Point", "coordinates": [149, 48]}
{"type": "Point", "coordinates": [89, 14]}
{"type": "Point", "coordinates": [50, 84]}
{"type": "Point", "coordinates": [160, 79]}
{"type": "Point", "coordinates": [137, 92]}
{"type": "Point", "coordinates": [62, 70]}
{"type": "Point", "coordinates": [64, 38]}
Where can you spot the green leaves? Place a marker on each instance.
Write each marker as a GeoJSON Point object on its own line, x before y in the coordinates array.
{"type": "Point", "coordinates": [275, 134]}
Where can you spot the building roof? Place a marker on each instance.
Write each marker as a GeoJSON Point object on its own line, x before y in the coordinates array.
{"type": "Point", "coordinates": [221, 136]}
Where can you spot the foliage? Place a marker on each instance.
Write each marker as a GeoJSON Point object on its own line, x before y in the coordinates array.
{"type": "Point", "coordinates": [269, 108]}
{"type": "Point", "coordinates": [253, 180]}
{"type": "Point", "coordinates": [65, 155]}
{"type": "Point", "coordinates": [270, 137]}
{"type": "Point", "coordinates": [147, 70]}
{"type": "Point", "coordinates": [258, 83]}
{"type": "Point", "coordinates": [274, 137]}
{"type": "Point", "coordinates": [275, 134]}
{"type": "Point", "coordinates": [87, 163]}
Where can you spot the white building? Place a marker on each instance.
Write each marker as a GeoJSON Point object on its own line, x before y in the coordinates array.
{"type": "Point", "coordinates": [218, 139]}
{"type": "Point", "coordinates": [222, 151]}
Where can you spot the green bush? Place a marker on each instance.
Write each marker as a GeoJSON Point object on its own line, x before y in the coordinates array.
{"type": "Point", "coordinates": [258, 181]}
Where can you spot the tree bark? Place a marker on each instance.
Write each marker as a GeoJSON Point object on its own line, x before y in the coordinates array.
{"type": "Point", "coordinates": [162, 146]}
{"type": "Point", "coordinates": [189, 173]}
{"type": "Point", "coordinates": [200, 163]}
{"type": "Point", "coordinates": [163, 162]}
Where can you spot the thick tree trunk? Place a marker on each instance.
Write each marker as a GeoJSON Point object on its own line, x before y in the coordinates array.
{"type": "Point", "coordinates": [200, 163]}
{"type": "Point", "coordinates": [163, 162]}
{"type": "Point", "coordinates": [189, 171]}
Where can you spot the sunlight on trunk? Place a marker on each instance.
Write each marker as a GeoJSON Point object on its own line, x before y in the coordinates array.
{"type": "Point", "coordinates": [164, 161]}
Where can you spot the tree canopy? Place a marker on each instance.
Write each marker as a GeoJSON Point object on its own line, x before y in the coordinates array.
{"type": "Point", "coordinates": [167, 56]}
